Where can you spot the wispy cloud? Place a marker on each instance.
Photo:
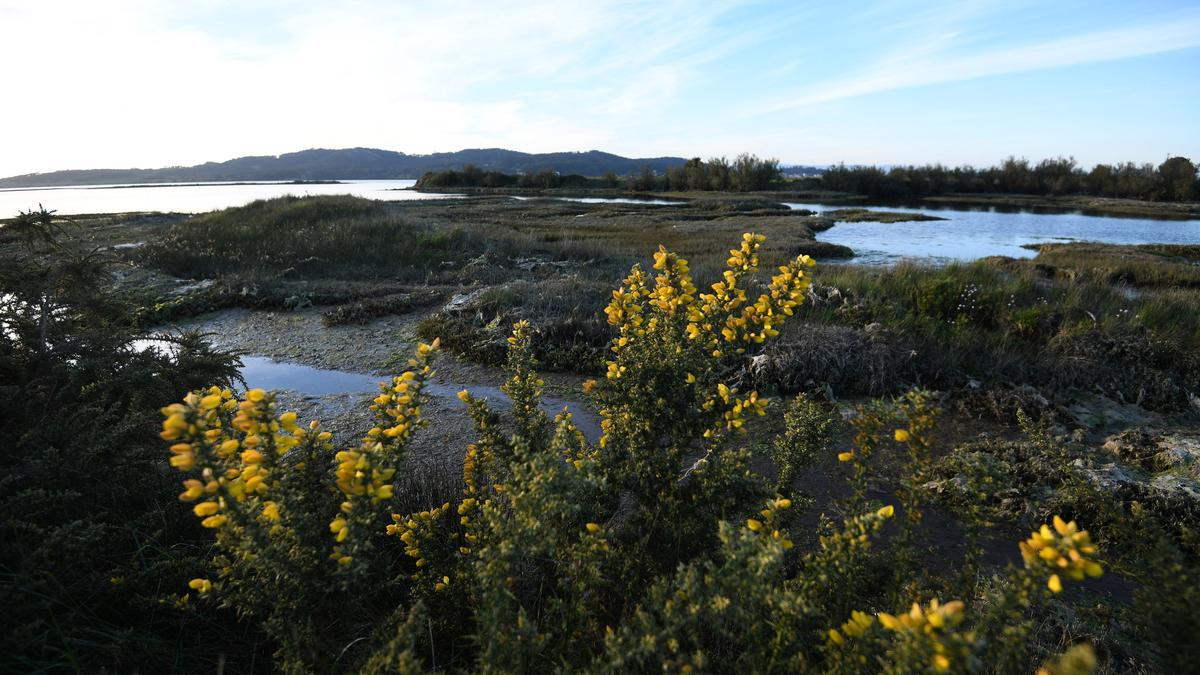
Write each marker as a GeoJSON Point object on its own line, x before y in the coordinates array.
{"type": "Point", "coordinates": [934, 62]}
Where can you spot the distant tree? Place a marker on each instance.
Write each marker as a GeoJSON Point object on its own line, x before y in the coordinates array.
{"type": "Point", "coordinates": [472, 176]}
{"type": "Point", "coordinates": [750, 173]}
{"type": "Point", "coordinates": [611, 180]}
{"type": "Point", "coordinates": [1176, 179]}
{"type": "Point", "coordinates": [1014, 176]}
{"type": "Point", "coordinates": [644, 181]}
{"type": "Point", "coordinates": [572, 180]}
{"type": "Point", "coordinates": [1101, 181]}
{"type": "Point", "coordinates": [719, 174]}
{"type": "Point", "coordinates": [1178, 175]}
{"type": "Point", "coordinates": [675, 178]}
{"type": "Point", "coordinates": [1055, 177]}
{"type": "Point", "coordinates": [695, 175]}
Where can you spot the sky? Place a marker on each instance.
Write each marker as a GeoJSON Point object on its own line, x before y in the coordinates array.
{"type": "Point", "coordinates": [150, 83]}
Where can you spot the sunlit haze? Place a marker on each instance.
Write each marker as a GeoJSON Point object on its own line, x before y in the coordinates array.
{"type": "Point", "coordinates": [140, 83]}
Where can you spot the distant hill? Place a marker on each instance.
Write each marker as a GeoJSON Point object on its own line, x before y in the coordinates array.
{"type": "Point", "coordinates": [352, 163]}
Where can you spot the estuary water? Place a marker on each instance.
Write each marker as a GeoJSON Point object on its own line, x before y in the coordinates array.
{"type": "Point", "coordinates": [970, 234]}
{"type": "Point", "coordinates": [266, 373]}
{"type": "Point", "coordinates": [190, 197]}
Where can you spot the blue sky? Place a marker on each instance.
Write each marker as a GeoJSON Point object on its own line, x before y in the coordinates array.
{"type": "Point", "coordinates": [148, 83]}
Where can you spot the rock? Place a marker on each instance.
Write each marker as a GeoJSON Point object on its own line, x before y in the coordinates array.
{"type": "Point", "coordinates": [1178, 450]}
{"type": "Point", "coordinates": [193, 287]}
{"type": "Point", "coordinates": [1100, 411]}
{"type": "Point", "coordinates": [297, 302]}
{"type": "Point", "coordinates": [1108, 477]}
{"type": "Point", "coordinates": [1175, 487]}
{"type": "Point", "coordinates": [1155, 450]}
{"type": "Point", "coordinates": [460, 301]}
{"type": "Point", "coordinates": [956, 484]}
{"type": "Point", "coordinates": [760, 365]}
{"type": "Point", "coordinates": [822, 295]}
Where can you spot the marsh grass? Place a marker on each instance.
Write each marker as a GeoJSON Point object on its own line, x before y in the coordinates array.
{"type": "Point", "coordinates": [340, 237]}
{"type": "Point", "coordinates": [1148, 265]}
{"type": "Point", "coordinates": [1120, 319]}
{"type": "Point", "coordinates": [999, 322]}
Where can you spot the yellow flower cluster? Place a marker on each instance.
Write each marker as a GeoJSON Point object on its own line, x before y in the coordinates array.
{"type": "Point", "coordinates": [184, 422]}
{"type": "Point", "coordinates": [1063, 549]}
{"type": "Point", "coordinates": [857, 625]}
{"type": "Point", "coordinates": [720, 317]}
{"type": "Point", "coordinates": [626, 309]}
{"type": "Point", "coordinates": [673, 286]}
{"type": "Point", "coordinates": [234, 444]}
{"type": "Point", "coordinates": [475, 465]}
{"type": "Point", "coordinates": [757, 321]}
{"type": "Point", "coordinates": [364, 475]}
{"type": "Point", "coordinates": [523, 387]}
{"type": "Point", "coordinates": [357, 477]}
{"type": "Point", "coordinates": [735, 408]}
{"type": "Point", "coordinates": [669, 318]}
{"type": "Point", "coordinates": [414, 530]}
{"type": "Point", "coordinates": [935, 623]}
{"type": "Point", "coordinates": [770, 522]}
{"type": "Point", "coordinates": [571, 442]}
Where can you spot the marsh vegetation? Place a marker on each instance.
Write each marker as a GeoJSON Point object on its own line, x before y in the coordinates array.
{"type": "Point", "coordinates": [922, 420]}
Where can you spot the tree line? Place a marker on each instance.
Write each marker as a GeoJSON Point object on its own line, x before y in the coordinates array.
{"type": "Point", "coordinates": [746, 173]}
{"type": "Point", "coordinates": [473, 176]}
{"type": "Point", "coordinates": [1173, 180]}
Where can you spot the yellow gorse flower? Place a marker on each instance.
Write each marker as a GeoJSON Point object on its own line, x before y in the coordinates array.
{"type": "Point", "coordinates": [671, 310]}
{"type": "Point", "coordinates": [1063, 549]}
{"type": "Point", "coordinates": [365, 474]}
{"type": "Point", "coordinates": [858, 624]}
{"type": "Point", "coordinates": [770, 524]}
{"type": "Point", "coordinates": [928, 619]}
{"type": "Point", "coordinates": [418, 531]}
{"type": "Point", "coordinates": [935, 624]}
{"type": "Point", "coordinates": [234, 446]}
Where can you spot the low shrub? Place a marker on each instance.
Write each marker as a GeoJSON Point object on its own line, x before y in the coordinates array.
{"type": "Point", "coordinates": [362, 311]}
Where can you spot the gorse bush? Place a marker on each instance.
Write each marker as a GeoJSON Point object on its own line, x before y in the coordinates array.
{"type": "Point", "coordinates": [89, 527]}
{"type": "Point", "coordinates": [653, 549]}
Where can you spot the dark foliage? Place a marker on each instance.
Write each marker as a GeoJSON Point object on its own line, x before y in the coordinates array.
{"type": "Point", "coordinates": [1173, 180]}
{"type": "Point", "coordinates": [91, 532]}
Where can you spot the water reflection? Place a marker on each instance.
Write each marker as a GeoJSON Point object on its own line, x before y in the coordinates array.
{"type": "Point", "coordinates": [648, 201]}
{"type": "Point", "coordinates": [265, 373]}
{"type": "Point", "coordinates": [191, 197]}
